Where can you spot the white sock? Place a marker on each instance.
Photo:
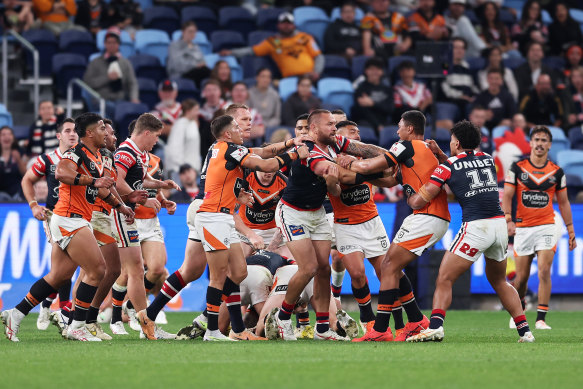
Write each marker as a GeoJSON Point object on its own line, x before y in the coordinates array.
{"type": "Point", "coordinates": [337, 277]}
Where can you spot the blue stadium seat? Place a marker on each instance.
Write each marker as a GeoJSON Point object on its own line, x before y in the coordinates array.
{"type": "Point", "coordinates": [67, 66]}
{"type": "Point", "coordinates": [574, 186]}
{"type": "Point", "coordinates": [336, 91]}
{"type": "Point", "coordinates": [513, 63]}
{"type": "Point", "coordinates": [161, 18]}
{"type": "Point", "coordinates": [388, 136]}
{"type": "Point", "coordinates": [5, 116]}
{"type": "Point", "coordinates": [126, 47]}
{"type": "Point", "coordinates": [499, 131]}
{"type": "Point", "coordinates": [267, 18]}
{"type": "Point", "coordinates": [571, 161]}
{"type": "Point", "coordinates": [143, 3]}
{"type": "Point", "coordinates": [303, 14]}
{"type": "Point", "coordinates": [270, 130]}
{"type": "Point", "coordinates": [447, 111]}
{"type": "Point", "coordinates": [77, 42]}
{"type": "Point", "coordinates": [200, 39]}
{"type": "Point", "coordinates": [576, 14]}
{"type": "Point", "coordinates": [46, 44]}
{"type": "Point", "coordinates": [394, 63]}
{"type": "Point", "coordinates": [153, 42]}
{"type": "Point", "coordinates": [148, 92]}
{"type": "Point", "coordinates": [472, 16]}
{"type": "Point", "coordinates": [256, 37]}
{"type": "Point", "coordinates": [507, 18]}
{"type": "Point", "coordinates": [125, 112]}
{"type": "Point", "coordinates": [287, 86]}
{"type": "Point", "coordinates": [252, 64]}
{"type": "Point", "coordinates": [359, 14]}
{"type": "Point", "coordinates": [237, 19]}
{"type": "Point", "coordinates": [442, 137]}
{"type": "Point", "coordinates": [557, 63]}
{"type": "Point", "coordinates": [204, 17]}
{"type": "Point", "coordinates": [250, 82]}
{"type": "Point", "coordinates": [476, 64]}
{"type": "Point", "coordinates": [225, 39]}
{"type": "Point", "coordinates": [576, 137]}
{"type": "Point", "coordinates": [316, 28]}
{"type": "Point", "coordinates": [546, 17]}
{"type": "Point", "coordinates": [358, 65]}
{"type": "Point", "coordinates": [148, 66]}
{"type": "Point", "coordinates": [236, 71]}
{"type": "Point", "coordinates": [560, 142]}
{"type": "Point", "coordinates": [368, 135]}
{"type": "Point", "coordinates": [336, 66]}
{"type": "Point", "coordinates": [187, 89]}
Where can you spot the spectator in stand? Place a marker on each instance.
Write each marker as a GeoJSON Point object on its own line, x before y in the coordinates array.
{"type": "Point", "coordinates": [187, 184]}
{"type": "Point", "coordinates": [296, 53]}
{"type": "Point", "coordinates": [240, 95]}
{"type": "Point", "coordinates": [426, 24]}
{"type": "Point", "coordinates": [409, 94]}
{"type": "Point", "coordinates": [92, 15]}
{"type": "Point", "coordinates": [16, 16]}
{"type": "Point", "coordinates": [458, 86]}
{"type": "Point", "coordinates": [222, 73]}
{"type": "Point", "coordinates": [564, 30]}
{"type": "Point", "coordinates": [211, 93]}
{"type": "Point", "coordinates": [530, 28]}
{"type": "Point", "coordinates": [343, 36]}
{"type": "Point", "coordinates": [499, 102]}
{"type": "Point", "coordinates": [185, 59]}
{"type": "Point", "coordinates": [12, 166]}
{"type": "Point", "coordinates": [42, 135]}
{"type": "Point", "coordinates": [265, 99]}
{"type": "Point", "coordinates": [576, 117]}
{"type": "Point", "coordinates": [184, 141]}
{"type": "Point", "coordinates": [373, 101]}
{"type": "Point", "coordinates": [384, 32]}
{"type": "Point", "coordinates": [112, 75]}
{"type": "Point", "coordinates": [126, 15]}
{"type": "Point", "coordinates": [300, 102]}
{"type": "Point", "coordinates": [280, 135]}
{"type": "Point", "coordinates": [478, 117]}
{"type": "Point", "coordinates": [527, 74]}
{"type": "Point", "coordinates": [494, 61]}
{"type": "Point", "coordinates": [541, 105]}
{"type": "Point", "coordinates": [168, 110]}
{"type": "Point", "coordinates": [493, 32]}
{"type": "Point", "coordinates": [461, 26]}
{"type": "Point", "coordinates": [574, 59]}
{"type": "Point", "coordinates": [54, 15]}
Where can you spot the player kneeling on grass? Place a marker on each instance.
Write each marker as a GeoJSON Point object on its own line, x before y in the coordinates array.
{"type": "Point", "coordinates": [471, 175]}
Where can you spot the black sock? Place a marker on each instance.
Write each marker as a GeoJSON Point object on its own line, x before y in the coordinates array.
{"type": "Point", "coordinates": [285, 311]}
{"type": "Point", "coordinates": [148, 284]}
{"type": "Point", "coordinates": [336, 290]}
{"type": "Point", "coordinates": [541, 312]}
{"type": "Point", "coordinates": [233, 302]}
{"type": "Point", "coordinates": [39, 291]}
{"type": "Point", "coordinates": [171, 287]}
{"type": "Point", "coordinates": [65, 291]}
{"type": "Point", "coordinates": [362, 296]}
{"type": "Point", "coordinates": [229, 287]}
{"type": "Point", "coordinates": [387, 300]}
{"type": "Point", "coordinates": [322, 321]}
{"type": "Point", "coordinates": [92, 313]}
{"type": "Point", "coordinates": [85, 294]}
{"type": "Point", "coordinates": [213, 302]}
{"type": "Point", "coordinates": [49, 300]}
{"type": "Point", "coordinates": [303, 318]}
{"type": "Point", "coordinates": [408, 300]}
{"type": "Point", "coordinates": [521, 325]}
{"type": "Point", "coordinates": [118, 294]}
{"type": "Point", "coordinates": [130, 305]}
{"type": "Point", "coordinates": [398, 316]}
{"type": "Point", "coordinates": [437, 318]}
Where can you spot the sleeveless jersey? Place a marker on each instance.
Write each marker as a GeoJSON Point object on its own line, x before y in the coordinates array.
{"type": "Point", "coordinates": [306, 190]}
{"type": "Point", "coordinates": [535, 189]}
{"type": "Point", "coordinates": [472, 178]}
{"type": "Point", "coordinates": [260, 215]}
{"type": "Point", "coordinates": [45, 166]}
{"type": "Point", "coordinates": [224, 178]}
{"type": "Point", "coordinates": [77, 200]}
{"type": "Point", "coordinates": [107, 156]}
{"type": "Point", "coordinates": [154, 168]}
{"type": "Point", "coordinates": [129, 158]}
{"type": "Point", "coordinates": [416, 163]}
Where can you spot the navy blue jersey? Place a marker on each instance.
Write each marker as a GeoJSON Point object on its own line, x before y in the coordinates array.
{"type": "Point", "coordinates": [209, 154]}
{"type": "Point", "coordinates": [267, 259]}
{"type": "Point", "coordinates": [45, 166]}
{"type": "Point", "coordinates": [471, 176]}
{"type": "Point", "coordinates": [134, 162]}
{"type": "Point", "coordinates": [306, 190]}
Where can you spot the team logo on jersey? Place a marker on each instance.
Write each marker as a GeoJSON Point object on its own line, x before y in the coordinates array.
{"type": "Point", "coordinates": [296, 230]}
{"type": "Point", "coordinates": [523, 176]}
{"type": "Point", "coordinates": [471, 193]}
{"type": "Point", "coordinates": [355, 195]}
{"type": "Point", "coordinates": [53, 168]}
{"type": "Point", "coordinates": [534, 199]}
{"type": "Point", "coordinates": [397, 149]}
{"type": "Point", "coordinates": [239, 153]}
{"type": "Point", "coordinates": [123, 158]}
{"type": "Point", "coordinates": [215, 153]}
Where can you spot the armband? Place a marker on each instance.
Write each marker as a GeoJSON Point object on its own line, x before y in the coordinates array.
{"type": "Point", "coordinates": [106, 197]}
{"type": "Point", "coordinates": [117, 206]}
{"type": "Point", "coordinates": [36, 203]}
{"type": "Point", "coordinates": [93, 181]}
{"type": "Point", "coordinates": [424, 194]}
{"type": "Point", "coordinates": [286, 158]}
{"type": "Point", "coordinates": [77, 178]}
{"type": "Point", "coordinates": [360, 178]}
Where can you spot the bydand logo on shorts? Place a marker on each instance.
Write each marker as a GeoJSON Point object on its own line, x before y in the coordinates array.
{"type": "Point", "coordinates": [133, 235]}
{"type": "Point", "coordinates": [296, 230]}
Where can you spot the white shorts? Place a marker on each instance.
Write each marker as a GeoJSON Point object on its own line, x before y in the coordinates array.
{"type": "Point", "coordinates": [266, 235]}
{"type": "Point", "coordinates": [419, 232]}
{"type": "Point", "coordinates": [217, 230]}
{"type": "Point", "coordinates": [488, 236]}
{"type": "Point", "coordinates": [102, 231]}
{"type": "Point", "coordinates": [530, 240]}
{"type": "Point", "coordinates": [369, 238]}
{"type": "Point", "coordinates": [190, 219]}
{"type": "Point", "coordinates": [47, 226]}
{"type": "Point", "coordinates": [64, 228]}
{"type": "Point", "coordinates": [125, 234]}
{"type": "Point", "coordinates": [330, 218]}
{"type": "Point", "coordinates": [281, 281]}
{"type": "Point", "coordinates": [297, 225]}
{"type": "Point", "coordinates": [255, 287]}
{"type": "Point", "coordinates": [150, 230]}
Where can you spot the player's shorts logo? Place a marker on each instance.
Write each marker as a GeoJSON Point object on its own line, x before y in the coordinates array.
{"type": "Point", "coordinates": [296, 230]}
{"type": "Point", "coordinates": [133, 236]}
{"type": "Point", "coordinates": [400, 234]}
{"type": "Point", "coordinates": [384, 243]}
{"type": "Point", "coordinates": [281, 288]}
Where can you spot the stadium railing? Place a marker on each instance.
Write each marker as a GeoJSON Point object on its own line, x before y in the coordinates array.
{"type": "Point", "coordinates": [86, 88]}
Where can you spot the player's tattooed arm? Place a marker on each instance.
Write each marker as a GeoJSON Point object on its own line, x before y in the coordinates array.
{"type": "Point", "coordinates": [364, 150]}
{"type": "Point", "coordinates": [426, 193]}
{"type": "Point", "coordinates": [277, 148]}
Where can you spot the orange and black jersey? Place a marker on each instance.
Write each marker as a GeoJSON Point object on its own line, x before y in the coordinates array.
{"type": "Point", "coordinates": [45, 166]}
{"type": "Point", "coordinates": [129, 158]}
{"type": "Point", "coordinates": [78, 200]}
{"type": "Point", "coordinates": [416, 163]}
{"type": "Point", "coordinates": [355, 204]}
{"type": "Point", "coordinates": [261, 214]}
{"type": "Point", "coordinates": [107, 157]}
{"type": "Point", "coordinates": [154, 168]}
{"type": "Point", "coordinates": [535, 189]}
{"type": "Point", "coordinates": [224, 177]}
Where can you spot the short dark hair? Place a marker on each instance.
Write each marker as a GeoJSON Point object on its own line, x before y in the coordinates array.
{"type": "Point", "coordinates": [184, 168]}
{"type": "Point", "coordinates": [468, 134]}
{"type": "Point", "coordinates": [304, 77]}
{"type": "Point", "coordinates": [85, 120]}
{"type": "Point", "coordinates": [458, 38]}
{"type": "Point", "coordinates": [345, 123]}
{"type": "Point", "coordinates": [239, 83]}
{"type": "Point", "coordinates": [131, 127]}
{"type": "Point", "coordinates": [538, 129]}
{"type": "Point", "coordinates": [219, 125]}
{"type": "Point", "coordinates": [261, 69]}
{"type": "Point", "coordinates": [406, 65]}
{"type": "Point", "coordinates": [315, 113]}
{"type": "Point", "coordinates": [67, 120]}
{"type": "Point", "coordinates": [496, 70]}
{"type": "Point", "coordinates": [148, 122]}
{"type": "Point", "coordinates": [416, 119]}
{"type": "Point", "coordinates": [303, 116]}
{"type": "Point", "coordinates": [108, 121]}
{"type": "Point", "coordinates": [187, 24]}
{"type": "Point", "coordinates": [532, 43]}
{"type": "Point", "coordinates": [374, 61]}
{"type": "Point", "coordinates": [338, 112]}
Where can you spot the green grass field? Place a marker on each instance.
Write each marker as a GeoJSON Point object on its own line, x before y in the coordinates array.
{"type": "Point", "coordinates": [479, 350]}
